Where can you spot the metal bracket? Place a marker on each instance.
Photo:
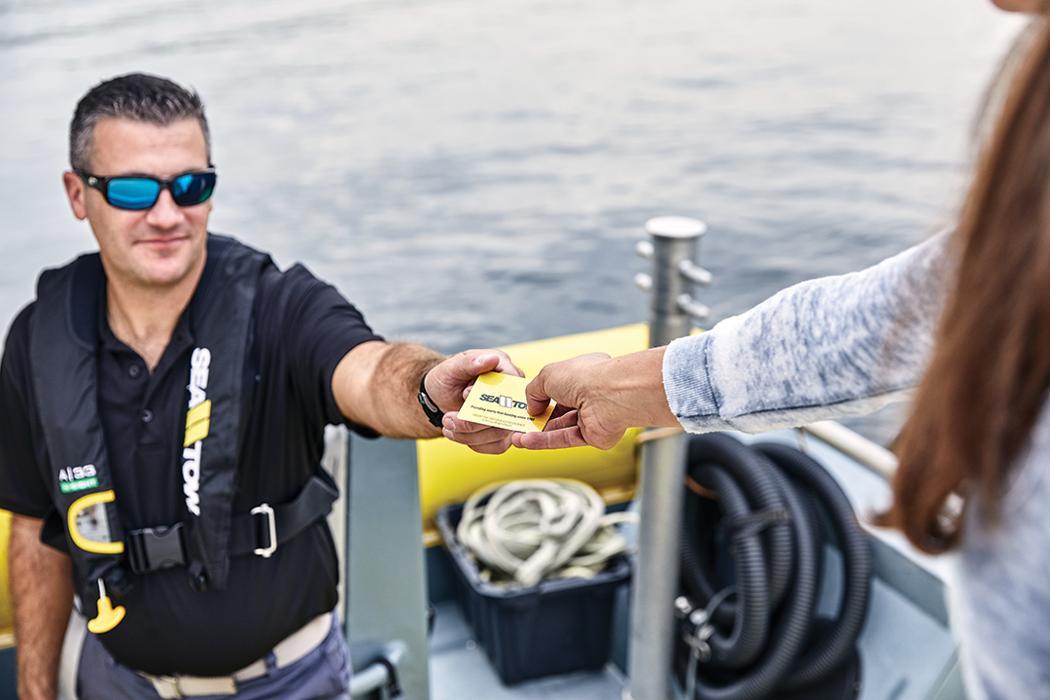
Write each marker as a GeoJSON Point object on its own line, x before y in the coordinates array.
{"type": "Point", "coordinates": [271, 521]}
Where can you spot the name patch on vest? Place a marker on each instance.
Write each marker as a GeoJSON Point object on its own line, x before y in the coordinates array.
{"type": "Point", "coordinates": [72, 479]}
{"type": "Point", "coordinates": [198, 423]}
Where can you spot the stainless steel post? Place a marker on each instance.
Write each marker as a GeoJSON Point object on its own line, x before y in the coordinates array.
{"type": "Point", "coordinates": [386, 575]}
{"type": "Point", "coordinates": [672, 247]}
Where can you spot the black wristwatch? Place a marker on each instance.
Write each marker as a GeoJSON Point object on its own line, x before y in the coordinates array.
{"type": "Point", "coordinates": [434, 414]}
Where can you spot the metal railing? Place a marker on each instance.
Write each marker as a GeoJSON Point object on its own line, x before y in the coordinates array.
{"type": "Point", "coordinates": [399, 660]}
{"type": "Point", "coordinates": [672, 247]}
{"type": "Point", "coordinates": [860, 449]}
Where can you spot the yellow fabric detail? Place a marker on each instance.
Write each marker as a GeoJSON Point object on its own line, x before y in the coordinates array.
{"type": "Point", "coordinates": [92, 499]}
{"type": "Point", "coordinates": [198, 423]}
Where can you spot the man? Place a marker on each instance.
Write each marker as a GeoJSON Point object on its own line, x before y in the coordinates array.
{"type": "Point", "coordinates": [163, 405]}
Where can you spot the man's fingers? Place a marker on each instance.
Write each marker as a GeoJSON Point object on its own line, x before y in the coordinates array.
{"type": "Point", "coordinates": [492, 448]}
{"type": "Point", "coordinates": [566, 420]}
{"type": "Point", "coordinates": [461, 369]}
{"type": "Point", "coordinates": [503, 365]}
{"type": "Point", "coordinates": [480, 364]}
{"type": "Point", "coordinates": [453, 423]}
{"type": "Point", "coordinates": [482, 361]}
{"type": "Point", "coordinates": [465, 366]}
{"type": "Point", "coordinates": [472, 434]}
{"type": "Point", "coordinates": [559, 411]}
{"type": "Point", "coordinates": [553, 440]}
{"type": "Point", "coordinates": [506, 366]}
{"type": "Point", "coordinates": [536, 393]}
{"type": "Point", "coordinates": [487, 441]}
{"type": "Point", "coordinates": [478, 438]}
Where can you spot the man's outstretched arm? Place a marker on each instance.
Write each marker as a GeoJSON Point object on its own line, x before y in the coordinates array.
{"type": "Point", "coordinates": [42, 592]}
{"type": "Point", "coordinates": [376, 384]}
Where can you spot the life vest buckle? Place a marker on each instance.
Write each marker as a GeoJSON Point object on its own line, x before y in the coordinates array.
{"type": "Point", "coordinates": [270, 528]}
{"type": "Point", "coordinates": [156, 548]}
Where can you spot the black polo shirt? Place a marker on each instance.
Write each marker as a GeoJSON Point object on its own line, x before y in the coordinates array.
{"type": "Point", "coordinates": [302, 328]}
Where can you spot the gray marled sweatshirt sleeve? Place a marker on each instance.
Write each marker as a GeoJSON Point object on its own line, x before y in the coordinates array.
{"type": "Point", "coordinates": [822, 349]}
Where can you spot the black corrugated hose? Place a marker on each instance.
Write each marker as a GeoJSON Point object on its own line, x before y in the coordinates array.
{"type": "Point", "coordinates": [757, 518]}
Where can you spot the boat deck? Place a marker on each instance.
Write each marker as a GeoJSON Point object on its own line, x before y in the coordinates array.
{"type": "Point", "coordinates": [907, 652]}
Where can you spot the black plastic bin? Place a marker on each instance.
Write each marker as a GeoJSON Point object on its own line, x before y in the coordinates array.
{"type": "Point", "coordinates": [555, 627]}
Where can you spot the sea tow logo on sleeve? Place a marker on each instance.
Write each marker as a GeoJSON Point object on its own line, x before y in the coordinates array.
{"type": "Point", "coordinates": [198, 423]}
{"type": "Point", "coordinates": [505, 401]}
{"type": "Point", "coordinates": [73, 479]}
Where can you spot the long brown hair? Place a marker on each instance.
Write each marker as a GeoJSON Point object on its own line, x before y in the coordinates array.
{"type": "Point", "coordinates": [990, 370]}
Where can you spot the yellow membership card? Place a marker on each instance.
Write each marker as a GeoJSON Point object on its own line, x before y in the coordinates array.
{"type": "Point", "coordinates": [498, 400]}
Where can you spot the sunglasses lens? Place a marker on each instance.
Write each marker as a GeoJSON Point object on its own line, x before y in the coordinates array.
{"type": "Point", "coordinates": [132, 192]}
{"type": "Point", "coordinates": [192, 188]}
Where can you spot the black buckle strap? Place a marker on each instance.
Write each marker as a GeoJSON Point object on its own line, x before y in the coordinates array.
{"type": "Point", "coordinates": [267, 527]}
{"type": "Point", "coordinates": [259, 532]}
{"type": "Point", "coordinates": [156, 548]}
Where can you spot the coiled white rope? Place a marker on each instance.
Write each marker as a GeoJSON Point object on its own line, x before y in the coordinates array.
{"type": "Point", "coordinates": [534, 529]}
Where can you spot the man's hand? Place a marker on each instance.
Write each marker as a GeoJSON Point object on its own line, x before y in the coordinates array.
{"type": "Point", "coordinates": [448, 384]}
{"type": "Point", "coordinates": [598, 399]}
{"type": "Point", "coordinates": [581, 417]}
{"type": "Point", "coordinates": [376, 385]}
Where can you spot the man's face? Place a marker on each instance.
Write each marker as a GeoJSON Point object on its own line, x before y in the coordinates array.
{"type": "Point", "coordinates": [157, 247]}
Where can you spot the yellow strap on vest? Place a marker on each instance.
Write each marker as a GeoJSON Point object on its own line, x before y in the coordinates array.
{"type": "Point", "coordinates": [82, 504]}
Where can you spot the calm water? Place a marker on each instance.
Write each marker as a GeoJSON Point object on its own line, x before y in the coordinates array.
{"type": "Point", "coordinates": [474, 173]}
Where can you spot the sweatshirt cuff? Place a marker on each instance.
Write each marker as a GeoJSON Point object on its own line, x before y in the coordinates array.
{"type": "Point", "coordinates": [687, 381]}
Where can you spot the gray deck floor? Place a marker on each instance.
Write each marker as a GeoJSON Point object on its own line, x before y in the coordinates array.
{"type": "Point", "coordinates": [459, 670]}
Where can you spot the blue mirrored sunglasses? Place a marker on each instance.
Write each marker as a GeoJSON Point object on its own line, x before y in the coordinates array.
{"type": "Point", "coordinates": [138, 192]}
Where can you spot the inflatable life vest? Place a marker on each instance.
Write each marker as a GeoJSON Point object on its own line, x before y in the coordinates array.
{"type": "Point", "coordinates": [64, 350]}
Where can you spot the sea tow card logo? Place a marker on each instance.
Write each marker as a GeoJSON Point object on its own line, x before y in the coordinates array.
{"type": "Point", "coordinates": [504, 401]}
{"type": "Point", "coordinates": [501, 401]}
{"type": "Point", "coordinates": [198, 423]}
{"type": "Point", "coordinates": [73, 479]}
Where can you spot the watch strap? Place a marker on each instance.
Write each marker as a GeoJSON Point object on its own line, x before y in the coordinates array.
{"type": "Point", "coordinates": [430, 408]}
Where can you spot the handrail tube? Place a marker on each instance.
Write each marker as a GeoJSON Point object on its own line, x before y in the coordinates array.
{"type": "Point", "coordinates": [376, 676]}
{"type": "Point", "coordinates": [673, 244]}
{"type": "Point", "coordinates": [860, 449]}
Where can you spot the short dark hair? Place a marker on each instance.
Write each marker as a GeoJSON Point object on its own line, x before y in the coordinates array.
{"type": "Point", "coordinates": [136, 96]}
